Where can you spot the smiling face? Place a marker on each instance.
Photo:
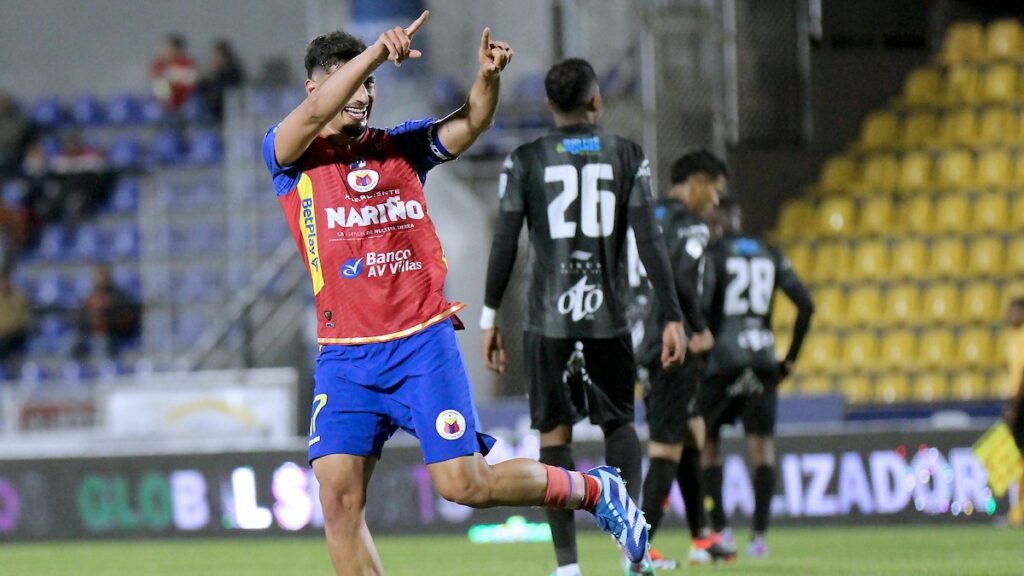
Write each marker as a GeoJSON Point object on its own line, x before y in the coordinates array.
{"type": "Point", "coordinates": [354, 118]}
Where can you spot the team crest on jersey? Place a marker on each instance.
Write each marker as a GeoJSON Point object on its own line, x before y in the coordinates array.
{"type": "Point", "coordinates": [451, 425]}
{"type": "Point", "coordinates": [363, 180]}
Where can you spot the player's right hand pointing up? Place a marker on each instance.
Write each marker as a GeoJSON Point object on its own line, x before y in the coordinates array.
{"type": "Point", "coordinates": [395, 44]}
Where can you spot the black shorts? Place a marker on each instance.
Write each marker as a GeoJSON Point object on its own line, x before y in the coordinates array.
{"type": "Point", "coordinates": [571, 378]}
{"type": "Point", "coordinates": [1018, 425]}
{"type": "Point", "coordinates": [749, 397]}
{"type": "Point", "coordinates": [671, 399]}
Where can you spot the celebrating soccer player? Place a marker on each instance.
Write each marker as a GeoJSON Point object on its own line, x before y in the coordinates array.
{"type": "Point", "coordinates": [353, 196]}
{"type": "Point", "coordinates": [742, 374]}
{"type": "Point", "coordinates": [579, 188]}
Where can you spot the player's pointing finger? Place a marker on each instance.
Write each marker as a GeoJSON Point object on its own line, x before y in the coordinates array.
{"type": "Point", "coordinates": [485, 40]}
{"type": "Point", "coordinates": [419, 22]}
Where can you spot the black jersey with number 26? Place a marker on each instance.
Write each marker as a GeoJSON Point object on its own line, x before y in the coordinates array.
{"type": "Point", "coordinates": [576, 186]}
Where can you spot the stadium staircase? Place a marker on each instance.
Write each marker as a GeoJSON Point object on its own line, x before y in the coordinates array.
{"type": "Point", "coordinates": [911, 238]}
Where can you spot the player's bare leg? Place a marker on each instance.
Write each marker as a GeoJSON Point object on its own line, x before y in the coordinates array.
{"type": "Point", "coordinates": [343, 480]}
{"type": "Point", "coordinates": [555, 450]}
{"type": "Point", "coordinates": [762, 459]}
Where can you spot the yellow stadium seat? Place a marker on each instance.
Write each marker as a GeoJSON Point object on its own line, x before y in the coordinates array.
{"type": "Point", "coordinates": [909, 258]}
{"type": "Point", "coordinates": [1003, 40]}
{"type": "Point", "coordinates": [957, 128]}
{"type": "Point", "coordinates": [902, 305]}
{"type": "Point", "coordinates": [920, 129]}
{"type": "Point", "coordinates": [915, 173]}
{"type": "Point", "coordinates": [829, 307]}
{"type": "Point", "coordinates": [816, 385]}
{"type": "Point", "coordinates": [968, 385]}
{"type": "Point", "coordinates": [800, 257]}
{"type": "Point", "coordinates": [864, 306]}
{"type": "Point", "coordinates": [856, 389]}
{"type": "Point", "coordinates": [931, 387]}
{"type": "Point", "coordinates": [837, 175]}
{"type": "Point", "coordinates": [783, 338]}
{"type": "Point", "coordinates": [879, 173]}
{"type": "Point", "coordinates": [974, 348]}
{"type": "Point", "coordinates": [899, 350]}
{"type": "Point", "coordinates": [953, 213]}
{"type": "Point", "coordinates": [783, 314]}
{"type": "Point", "coordinates": [870, 260]}
{"type": "Point", "coordinates": [949, 258]}
{"type": "Point", "coordinates": [795, 217]}
{"type": "Point", "coordinates": [836, 216]}
{"type": "Point", "coordinates": [964, 42]}
{"type": "Point", "coordinates": [831, 261]}
{"type": "Point", "coordinates": [876, 215]}
{"type": "Point", "coordinates": [1000, 386]}
{"type": "Point", "coordinates": [820, 353]}
{"type": "Point", "coordinates": [1000, 83]}
{"type": "Point", "coordinates": [1011, 291]}
{"type": "Point", "coordinates": [922, 87]}
{"type": "Point", "coordinates": [962, 85]}
{"type": "Point", "coordinates": [956, 170]}
{"type": "Point", "coordinates": [991, 212]}
{"type": "Point", "coordinates": [986, 257]}
{"type": "Point", "coordinates": [880, 130]}
{"type": "Point", "coordinates": [980, 303]}
{"type": "Point", "coordinates": [998, 126]}
{"type": "Point", "coordinates": [935, 348]}
{"type": "Point", "coordinates": [1015, 257]}
{"type": "Point", "coordinates": [1017, 210]}
{"type": "Point", "coordinates": [941, 303]}
{"type": "Point", "coordinates": [891, 388]}
{"type": "Point", "coordinates": [994, 170]}
{"type": "Point", "coordinates": [860, 350]}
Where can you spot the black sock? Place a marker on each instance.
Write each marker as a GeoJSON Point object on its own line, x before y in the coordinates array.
{"type": "Point", "coordinates": [692, 487]}
{"type": "Point", "coordinates": [713, 487]}
{"type": "Point", "coordinates": [563, 525]}
{"type": "Point", "coordinates": [622, 450]}
{"type": "Point", "coordinates": [656, 488]}
{"type": "Point", "coordinates": [764, 489]}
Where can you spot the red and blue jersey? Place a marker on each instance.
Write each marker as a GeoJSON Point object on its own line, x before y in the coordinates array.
{"type": "Point", "coordinates": [359, 217]}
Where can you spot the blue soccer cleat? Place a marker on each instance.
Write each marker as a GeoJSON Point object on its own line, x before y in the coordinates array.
{"type": "Point", "coordinates": [618, 515]}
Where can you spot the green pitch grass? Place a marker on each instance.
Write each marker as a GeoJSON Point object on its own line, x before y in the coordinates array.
{"type": "Point", "coordinates": [827, 551]}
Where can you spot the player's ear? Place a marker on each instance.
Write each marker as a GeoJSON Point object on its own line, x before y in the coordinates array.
{"type": "Point", "coordinates": [310, 86]}
{"type": "Point", "coordinates": [549, 105]}
{"type": "Point", "coordinates": [594, 104]}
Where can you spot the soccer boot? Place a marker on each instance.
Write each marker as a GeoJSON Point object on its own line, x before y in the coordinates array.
{"type": "Point", "coordinates": [570, 572]}
{"type": "Point", "coordinates": [618, 515]}
{"type": "Point", "coordinates": [660, 562]}
{"type": "Point", "coordinates": [727, 540]}
{"type": "Point", "coordinates": [758, 547]}
{"type": "Point", "coordinates": [642, 568]}
{"type": "Point", "coordinates": [710, 549]}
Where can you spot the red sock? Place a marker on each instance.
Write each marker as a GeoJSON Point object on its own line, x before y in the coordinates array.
{"type": "Point", "coordinates": [568, 489]}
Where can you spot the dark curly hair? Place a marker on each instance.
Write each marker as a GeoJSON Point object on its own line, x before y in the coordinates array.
{"type": "Point", "coordinates": [331, 49]}
{"type": "Point", "coordinates": [570, 84]}
{"type": "Point", "coordinates": [697, 161]}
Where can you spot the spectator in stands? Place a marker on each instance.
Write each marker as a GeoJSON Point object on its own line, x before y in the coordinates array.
{"type": "Point", "coordinates": [1015, 363]}
{"type": "Point", "coordinates": [15, 318]}
{"type": "Point", "coordinates": [15, 131]}
{"type": "Point", "coordinates": [70, 185]}
{"type": "Point", "coordinates": [173, 73]}
{"type": "Point", "coordinates": [224, 73]}
{"type": "Point", "coordinates": [109, 319]}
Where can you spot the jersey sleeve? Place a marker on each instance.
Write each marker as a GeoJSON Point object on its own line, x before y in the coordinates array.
{"type": "Point", "coordinates": [641, 193]}
{"type": "Point", "coordinates": [418, 141]}
{"type": "Point", "coordinates": [795, 290]}
{"type": "Point", "coordinates": [285, 177]}
{"type": "Point", "coordinates": [511, 196]}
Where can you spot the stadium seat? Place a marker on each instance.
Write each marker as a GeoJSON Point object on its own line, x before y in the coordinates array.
{"type": "Point", "coordinates": [909, 258]}
{"type": "Point", "coordinates": [816, 385]}
{"type": "Point", "coordinates": [1003, 40]}
{"type": "Point", "coordinates": [820, 353]}
{"type": "Point", "coordinates": [88, 111]}
{"type": "Point", "coordinates": [52, 242]}
{"type": "Point", "coordinates": [864, 307]}
{"type": "Point", "coordinates": [1015, 257]}
{"type": "Point", "coordinates": [892, 388]}
{"type": "Point", "coordinates": [836, 216]}
{"type": "Point", "coordinates": [902, 305]}
{"type": "Point", "coordinates": [1011, 290]}
{"type": "Point", "coordinates": [125, 109]}
{"type": "Point", "coordinates": [919, 129]}
{"type": "Point", "coordinates": [879, 173]}
{"type": "Point", "coordinates": [870, 260]}
{"type": "Point", "coordinates": [880, 130]}
{"type": "Point", "coordinates": [964, 42]}
{"type": "Point", "coordinates": [783, 314]}
{"type": "Point", "coordinates": [986, 256]}
{"type": "Point", "coordinates": [941, 303]}
{"type": "Point", "coordinates": [922, 87]}
{"type": "Point", "coordinates": [953, 213]}
{"type": "Point", "coordinates": [962, 85]}
{"type": "Point", "coordinates": [1000, 387]}
{"type": "Point", "coordinates": [994, 170]}
{"type": "Point", "coordinates": [799, 255]}
{"type": "Point", "coordinates": [980, 303]}
{"type": "Point", "coordinates": [47, 112]}
{"type": "Point", "coordinates": [876, 216]}
{"type": "Point", "coordinates": [125, 243]}
{"type": "Point", "coordinates": [955, 170]}
{"type": "Point", "coordinates": [991, 212]}
{"type": "Point", "coordinates": [974, 348]}
{"type": "Point", "coordinates": [1000, 84]}
{"type": "Point", "coordinates": [125, 196]}
{"type": "Point", "coordinates": [931, 386]}
{"type": "Point", "coordinates": [206, 148]}
{"type": "Point", "coordinates": [957, 128]}
{"type": "Point", "coordinates": [968, 385]}
{"type": "Point", "coordinates": [948, 258]}
{"type": "Point", "coordinates": [831, 261]}
{"type": "Point", "coordinates": [856, 388]}
{"type": "Point", "coordinates": [860, 350]}
{"type": "Point", "coordinates": [794, 218]}
{"type": "Point", "coordinates": [87, 242]}
{"type": "Point", "coordinates": [125, 153]}
{"type": "Point", "coordinates": [915, 173]}
{"type": "Point", "coordinates": [935, 348]}
{"type": "Point", "coordinates": [998, 126]}
{"type": "Point", "coordinates": [829, 307]}
{"type": "Point", "coordinates": [837, 175]}
{"type": "Point", "coordinates": [1017, 210]}
{"type": "Point", "coordinates": [167, 148]}
{"type": "Point", "coordinates": [898, 350]}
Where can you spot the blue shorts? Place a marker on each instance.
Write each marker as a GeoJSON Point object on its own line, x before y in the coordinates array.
{"type": "Point", "coordinates": [365, 393]}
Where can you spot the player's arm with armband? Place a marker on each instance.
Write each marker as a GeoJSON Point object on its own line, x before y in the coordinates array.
{"type": "Point", "coordinates": [797, 293]}
{"type": "Point", "coordinates": [326, 100]}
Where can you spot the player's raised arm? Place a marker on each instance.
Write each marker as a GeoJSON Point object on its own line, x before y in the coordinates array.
{"type": "Point", "coordinates": [327, 97]}
{"type": "Point", "coordinates": [461, 128]}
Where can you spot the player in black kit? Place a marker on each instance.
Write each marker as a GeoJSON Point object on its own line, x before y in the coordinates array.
{"type": "Point", "coordinates": [579, 189]}
{"type": "Point", "coordinates": [742, 375]}
{"type": "Point", "coordinates": [697, 179]}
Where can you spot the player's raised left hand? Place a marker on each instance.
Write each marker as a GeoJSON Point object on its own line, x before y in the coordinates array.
{"type": "Point", "coordinates": [494, 55]}
{"type": "Point", "coordinates": [396, 44]}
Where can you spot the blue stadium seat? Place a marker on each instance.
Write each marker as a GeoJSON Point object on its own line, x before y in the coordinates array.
{"type": "Point", "coordinates": [447, 93]}
{"type": "Point", "coordinates": [127, 278]}
{"type": "Point", "coordinates": [88, 111]}
{"type": "Point", "coordinates": [4, 376]}
{"type": "Point", "coordinates": [79, 286]}
{"type": "Point", "coordinates": [531, 88]}
{"type": "Point", "coordinates": [52, 242]}
{"type": "Point", "coordinates": [51, 290]}
{"type": "Point", "coordinates": [87, 243]}
{"type": "Point", "coordinates": [125, 196]}
{"type": "Point", "coordinates": [47, 112]}
{"type": "Point", "coordinates": [264, 102]}
{"type": "Point", "coordinates": [206, 148]}
{"type": "Point", "coordinates": [126, 153]}
{"type": "Point", "coordinates": [191, 111]}
{"type": "Point", "coordinates": [152, 111]}
{"type": "Point", "coordinates": [167, 148]}
{"type": "Point", "coordinates": [111, 368]}
{"type": "Point", "coordinates": [125, 244]}
{"type": "Point", "coordinates": [14, 193]}
{"type": "Point", "coordinates": [73, 372]}
{"type": "Point", "coordinates": [33, 372]}
{"type": "Point", "coordinates": [50, 144]}
{"type": "Point", "coordinates": [125, 109]}
{"type": "Point", "coordinates": [189, 326]}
